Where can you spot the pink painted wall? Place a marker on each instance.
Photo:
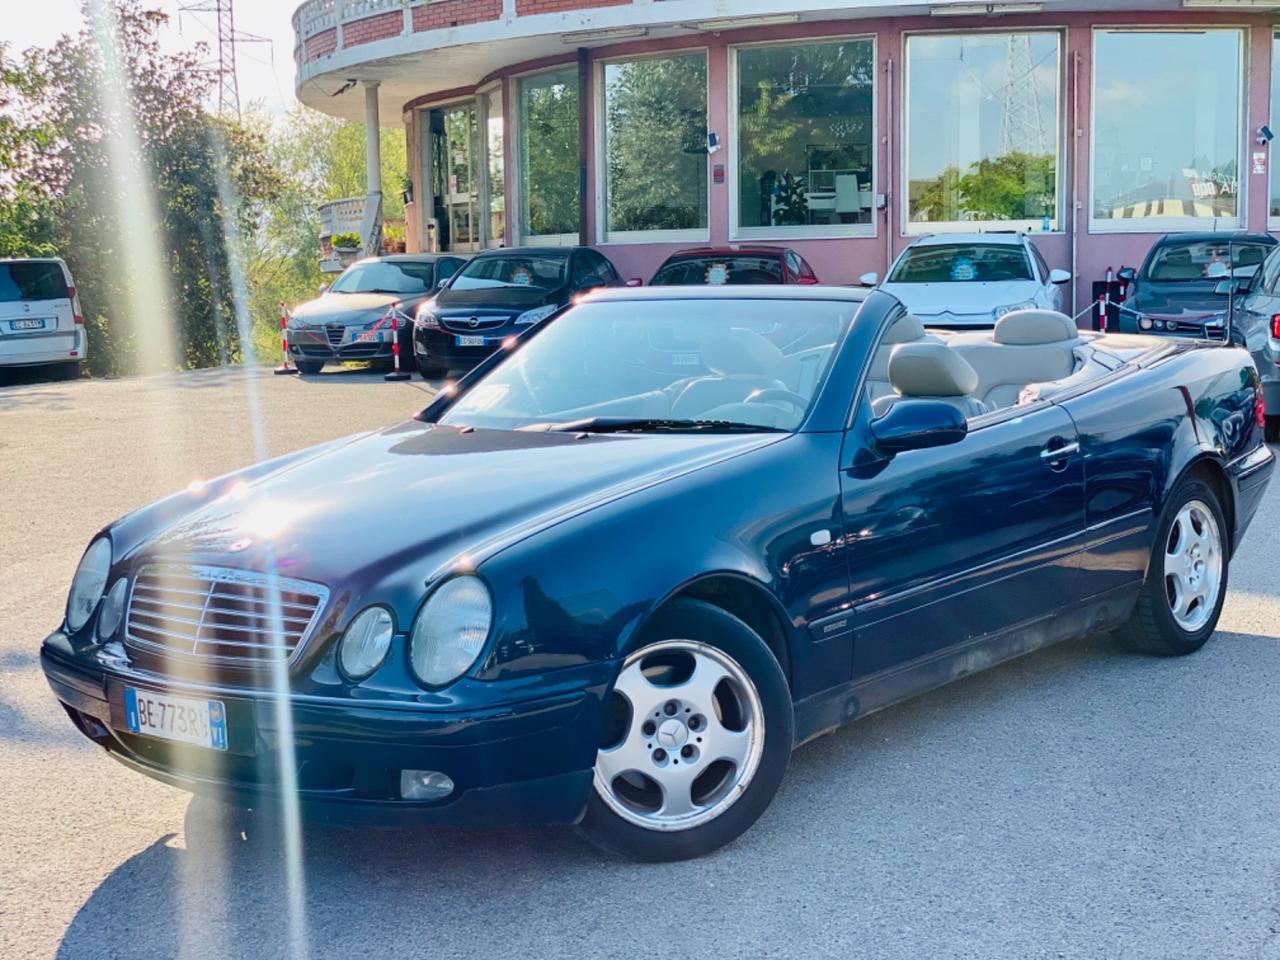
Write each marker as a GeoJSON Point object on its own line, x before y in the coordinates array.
{"type": "Point", "coordinates": [843, 260]}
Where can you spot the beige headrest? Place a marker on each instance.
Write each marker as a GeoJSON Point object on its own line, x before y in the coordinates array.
{"type": "Point", "coordinates": [903, 330]}
{"type": "Point", "coordinates": [741, 353]}
{"type": "Point", "coordinates": [1023, 327]}
{"type": "Point", "coordinates": [930, 370]}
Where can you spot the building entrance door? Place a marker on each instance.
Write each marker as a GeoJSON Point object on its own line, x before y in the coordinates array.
{"type": "Point", "coordinates": [455, 177]}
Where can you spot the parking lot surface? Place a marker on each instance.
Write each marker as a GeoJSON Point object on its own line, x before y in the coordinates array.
{"type": "Point", "coordinates": [1082, 802]}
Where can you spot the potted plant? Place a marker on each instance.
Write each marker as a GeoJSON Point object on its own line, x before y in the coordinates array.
{"type": "Point", "coordinates": [393, 240]}
{"type": "Point", "coordinates": [345, 242]}
{"type": "Point", "coordinates": [406, 188]}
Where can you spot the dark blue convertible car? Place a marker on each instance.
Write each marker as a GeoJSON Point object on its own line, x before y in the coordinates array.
{"type": "Point", "coordinates": [622, 590]}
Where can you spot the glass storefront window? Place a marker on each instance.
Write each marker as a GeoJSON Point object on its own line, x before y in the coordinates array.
{"type": "Point", "coordinates": [655, 145]}
{"type": "Point", "coordinates": [548, 153]}
{"type": "Point", "coordinates": [1166, 137]}
{"type": "Point", "coordinates": [805, 138]}
{"type": "Point", "coordinates": [982, 126]}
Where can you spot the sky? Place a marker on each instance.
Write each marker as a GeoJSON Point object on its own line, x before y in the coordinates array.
{"type": "Point", "coordinates": [27, 24]}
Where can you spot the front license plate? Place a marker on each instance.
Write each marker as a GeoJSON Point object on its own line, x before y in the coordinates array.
{"type": "Point", "coordinates": [26, 324]}
{"type": "Point", "coordinates": [468, 341]}
{"type": "Point", "coordinates": [199, 722]}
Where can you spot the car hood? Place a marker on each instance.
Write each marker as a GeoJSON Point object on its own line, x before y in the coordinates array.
{"type": "Point", "coordinates": [1187, 300]}
{"type": "Point", "coordinates": [513, 299]}
{"type": "Point", "coordinates": [419, 496]}
{"type": "Point", "coordinates": [935, 301]}
{"type": "Point", "coordinates": [351, 308]}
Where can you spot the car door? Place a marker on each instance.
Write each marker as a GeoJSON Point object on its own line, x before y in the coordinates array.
{"type": "Point", "coordinates": [950, 545]}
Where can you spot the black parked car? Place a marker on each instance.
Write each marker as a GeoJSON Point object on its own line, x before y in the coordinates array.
{"type": "Point", "coordinates": [497, 295]}
{"type": "Point", "coordinates": [1174, 290]}
{"type": "Point", "coordinates": [350, 321]}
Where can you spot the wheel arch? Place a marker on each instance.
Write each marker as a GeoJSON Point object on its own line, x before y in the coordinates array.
{"type": "Point", "coordinates": [1210, 469]}
{"type": "Point", "coordinates": [745, 597]}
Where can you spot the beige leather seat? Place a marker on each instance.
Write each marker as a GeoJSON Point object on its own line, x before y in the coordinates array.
{"type": "Point", "coordinates": [931, 371]}
{"type": "Point", "coordinates": [743, 362]}
{"type": "Point", "coordinates": [1027, 346]}
{"type": "Point", "coordinates": [906, 329]}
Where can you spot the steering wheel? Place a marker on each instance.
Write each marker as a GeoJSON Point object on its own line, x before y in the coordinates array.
{"type": "Point", "coordinates": [778, 393]}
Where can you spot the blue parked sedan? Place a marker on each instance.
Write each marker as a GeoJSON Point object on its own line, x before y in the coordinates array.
{"type": "Point", "coordinates": [619, 594]}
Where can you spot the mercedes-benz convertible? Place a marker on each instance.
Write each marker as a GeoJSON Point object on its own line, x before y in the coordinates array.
{"type": "Point", "coordinates": [636, 557]}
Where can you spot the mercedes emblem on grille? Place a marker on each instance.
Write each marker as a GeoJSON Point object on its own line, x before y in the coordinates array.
{"type": "Point", "coordinates": [474, 321]}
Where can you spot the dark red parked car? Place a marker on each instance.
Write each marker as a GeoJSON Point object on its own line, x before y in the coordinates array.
{"type": "Point", "coordinates": [720, 266]}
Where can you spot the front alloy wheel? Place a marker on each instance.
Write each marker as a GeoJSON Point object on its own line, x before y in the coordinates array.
{"type": "Point", "coordinates": [697, 738]}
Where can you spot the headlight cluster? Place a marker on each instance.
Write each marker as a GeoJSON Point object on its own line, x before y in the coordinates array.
{"type": "Point", "coordinates": [999, 312]}
{"type": "Point", "coordinates": [88, 583]}
{"type": "Point", "coordinates": [426, 315]}
{"type": "Point", "coordinates": [537, 315]}
{"type": "Point", "coordinates": [448, 635]}
{"type": "Point", "coordinates": [112, 610]}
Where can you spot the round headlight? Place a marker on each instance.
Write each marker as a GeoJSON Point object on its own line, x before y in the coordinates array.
{"type": "Point", "coordinates": [112, 610]}
{"type": "Point", "coordinates": [365, 643]}
{"type": "Point", "coordinates": [450, 631]}
{"type": "Point", "coordinates": [88, 583]}
{"type": "Point", "coordinates": [1144, 323]}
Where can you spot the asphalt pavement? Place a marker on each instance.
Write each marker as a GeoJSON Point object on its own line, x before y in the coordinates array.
{"type": "Point", "coordinates": [1082, 802]}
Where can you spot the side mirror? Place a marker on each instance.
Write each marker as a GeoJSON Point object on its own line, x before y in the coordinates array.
{"type": "Point", "coordinates": [635, 282]}
{"type": "Point", "coordinates": [324, 288]}
{"type": "Point", "coordinates": [589, 282]}
{"type": "Point", "coordinates": [869, 279]}
{"type": "Point", "coordinates": [1127, 274]}
{"type": "Point", "coordinates": [917, 425]}
{"type": "Point", "coordinates": [1059, 276]}
{"type": "Point", "coordinates": [1232, 285]}
{"type": "Point", "coordinates": [810, 281]}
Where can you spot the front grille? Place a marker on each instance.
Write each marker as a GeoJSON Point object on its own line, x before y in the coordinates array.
{"type": "Point", "coordinates": [335, 332]}
{"type": "Point", "coordinates": [464, 325]}
{"type": "Point", "coordinates": [214, 613]}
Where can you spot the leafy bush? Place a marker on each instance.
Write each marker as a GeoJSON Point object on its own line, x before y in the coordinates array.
{"type": "Point", "coordinates": [346, 240]}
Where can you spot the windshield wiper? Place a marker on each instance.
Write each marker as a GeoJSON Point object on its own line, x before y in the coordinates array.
{"type": "Point", "coordinates": [645, 424]}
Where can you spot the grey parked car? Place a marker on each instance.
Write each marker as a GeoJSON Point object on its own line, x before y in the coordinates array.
{"type": "Point", "coordinates": [349, 320]}
{"type": "Point", "coordinates": [1256, 320]}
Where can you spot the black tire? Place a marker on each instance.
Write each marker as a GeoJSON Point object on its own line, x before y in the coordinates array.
{"type": "Point", "coordinates": [431, 371]}
{"type": "Point", "coordinates": [70, 370]}
{"type": "Point", "coordinates": [1151, 627]}
{"type": "Point", "coordinates": [310, 367]}
{"type": "Point", "coordinates": [693, 620]}
{"type": "Point", "coordinates": [1271, 430]}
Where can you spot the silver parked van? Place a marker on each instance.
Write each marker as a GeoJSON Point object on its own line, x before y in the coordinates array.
{"type": "Point", "coordinates": [40, 318]}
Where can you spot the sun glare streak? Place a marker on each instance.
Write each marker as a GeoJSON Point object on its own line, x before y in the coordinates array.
{"type": "Point", "coordinates": [290, 815]}
{"type": "Point", "coordinates": [147, 312]}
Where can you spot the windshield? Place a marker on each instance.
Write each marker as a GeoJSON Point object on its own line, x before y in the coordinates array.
{"type": "Point", "coordinates": [1206, 260]}
{"type": "Point", "coordinates": [962, 263]}
{"type": "Point", "coordinates": [544, 272]}
{"type": "Point", "coordinates": [33, 280]}
{"type": "Point", "coordinates": [753, 362]}
{"type": "Point", "coordinates": [386, 276]}
{"type": "Point", "coordinates": [719, 271]}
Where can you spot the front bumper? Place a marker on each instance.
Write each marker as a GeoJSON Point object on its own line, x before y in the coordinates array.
{"type": "Point", "coordinates": [353, 343]}
{"type": "Point", "coordinates": [433, 347]}
{"type": "Point", "coordinates": [528, 762]}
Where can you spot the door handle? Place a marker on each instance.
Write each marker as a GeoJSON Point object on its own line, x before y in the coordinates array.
{"type": "Point", "coordinates": [1051, 454]}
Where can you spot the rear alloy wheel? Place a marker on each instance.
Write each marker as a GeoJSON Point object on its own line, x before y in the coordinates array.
{"type": "Point", "coordinates": [310, 367]}
{"type": "Point", "coordinates": [1186, 584]}
{"type": "Point", "coordinates": [698, 738]}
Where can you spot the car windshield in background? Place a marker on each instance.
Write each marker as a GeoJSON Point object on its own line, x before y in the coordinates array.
{"type": "Point", "coordinates": [543, 272]}
{"type": "Point", "coordinates": [1206, 260]}
{"type": "Point", "coordinates": [736, 363]}
{"type": "Point", "coordinates": [388, 276]}
{"type": "Point", "coordinates": [32, 281]}
{"type": "Point", "coordinates": [719, 271]}
{"type": "Point", "coordinates": [962, 263]}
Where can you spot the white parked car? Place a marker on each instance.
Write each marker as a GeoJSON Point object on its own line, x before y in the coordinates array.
{"type": "Point", "coordinates": [40, 318]}
{"type": "Point", "coordinates": [971, 280]}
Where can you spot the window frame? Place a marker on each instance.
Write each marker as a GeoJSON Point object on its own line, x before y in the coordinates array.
{"type": "Point", "coordinates": [1161, 225]}
{"type": "Point", "coordinates": [919, 229]}
{"type": "Point", "coordinates": [515, 193]}
{"type": "Point", "coordinates": [821, 231]}
{"type": "Point", "coordinates": [603, 235]}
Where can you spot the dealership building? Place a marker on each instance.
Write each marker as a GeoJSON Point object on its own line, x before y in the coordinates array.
{"type": "Point", "coordinates": [840, 128]}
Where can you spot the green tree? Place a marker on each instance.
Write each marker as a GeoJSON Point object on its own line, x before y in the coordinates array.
{"type": "Point", "coordinates": [1015, 186]}
{"type": "Point", "coordinates": [549, 144]}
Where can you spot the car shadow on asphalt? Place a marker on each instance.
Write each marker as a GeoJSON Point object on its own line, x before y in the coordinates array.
{"type": "Point", "coordinates": [1058, 741]}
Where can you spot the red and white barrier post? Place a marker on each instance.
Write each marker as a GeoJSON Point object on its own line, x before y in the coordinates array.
{"type": "Point", "coordinates": [396, 373]}
{"type": "Point", "coordinates": [1102, 312]}
{"type": "Point", "coordinates": [285, 366]}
